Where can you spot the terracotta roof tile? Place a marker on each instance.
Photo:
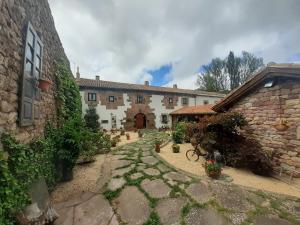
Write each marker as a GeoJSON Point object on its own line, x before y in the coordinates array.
{"type": "Point", "coordinates": [89, 83]}
{"type": "Point", "coordinates": [199, 109]}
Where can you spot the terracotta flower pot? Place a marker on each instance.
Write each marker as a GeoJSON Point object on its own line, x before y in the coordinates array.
{"type": "Point", "coordinates": [44, 84]}
{"type": "Point", "coordinates": [213, 174]}
{"type": "Point", "coordinates": [157, 148]}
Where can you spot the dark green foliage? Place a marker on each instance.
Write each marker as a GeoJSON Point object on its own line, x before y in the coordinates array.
{"type": "Point", "coordinates": [68, 96]}
{"type": "Point", "coordinates": [12, 195]}
{"type": "Point", "coordinates": [179, 134]}
{"type": "Point", "coordinates": [92, 119]}
{"type": "Point", "coordinates": [24, 165]}
{"type": "Point", "coordinates": [220, 132]}
{"type": "Point", "coordinates": [223, 75]}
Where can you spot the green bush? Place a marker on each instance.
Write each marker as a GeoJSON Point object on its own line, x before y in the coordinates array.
{"type": "Point", "coordinates": [92, 119]}
{"type": "Point", "coordinates": [220, 132]}
{"type": "Point", "coordinates": [178, 135]}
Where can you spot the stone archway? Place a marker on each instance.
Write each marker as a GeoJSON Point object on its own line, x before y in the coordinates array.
{"type": "Point", "coordinates": [140, 121]}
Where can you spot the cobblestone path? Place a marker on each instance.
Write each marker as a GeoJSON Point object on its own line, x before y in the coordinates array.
{"type": "Point", "coordinates": [142, 189]}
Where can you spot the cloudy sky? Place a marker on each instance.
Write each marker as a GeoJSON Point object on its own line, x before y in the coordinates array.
{"type": "Point", "coordinates": [166, 41]}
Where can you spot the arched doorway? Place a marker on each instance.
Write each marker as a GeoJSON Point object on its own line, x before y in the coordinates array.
{"type": "Point", "coordinates": [140, 121]}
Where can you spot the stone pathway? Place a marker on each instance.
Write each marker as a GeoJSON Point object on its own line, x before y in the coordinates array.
{"type": "Point", "coordinates": [142, 189]}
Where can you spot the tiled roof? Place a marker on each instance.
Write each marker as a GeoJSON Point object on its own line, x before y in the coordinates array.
{"type": "Point", "coordinates": [274, 70]}
{"type": "Point", "coordinates": [199, 109]}
{"type": "Point", "coordinates": [89, 83]}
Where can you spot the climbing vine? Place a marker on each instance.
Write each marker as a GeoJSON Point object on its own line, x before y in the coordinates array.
{"type": "Point", "coordinates": [68, 96]}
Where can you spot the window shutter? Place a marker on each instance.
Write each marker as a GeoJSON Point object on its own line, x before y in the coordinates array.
{"type": "Point", "coordinates": [32, 69]}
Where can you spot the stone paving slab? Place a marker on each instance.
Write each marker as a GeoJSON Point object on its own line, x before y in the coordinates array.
{"type": "Point", "coordinates": [132, 206]}
{"type": "Point", "coordinates": [199, 192]}
{"type": "Point", "coordinates": [116, 183]}
{"type": "Point", "coordinates": [136, 176]}
{"type": "Point", "coordinates": [163, 168]}
{"type": "Point", "coordinates": [169, 210]}
{"type": "Point", "coordinates": [152, 172]}
{"type": "Point", "coordinates": [96, 211]}
{"type": "Point", "coordinates": [176, 176]}
{"type": "Point", "coordinates": [151, 160]}
{"type": "Point", "coordinates": [156, 188]}
{"type": "Point", "coordinates": [199, 216]}
{"type": "Point", "coordinates": [120, 163]}
{"type": "Point", "coordinates": [121, 172]}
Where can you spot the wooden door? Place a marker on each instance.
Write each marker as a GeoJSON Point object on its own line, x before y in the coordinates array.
{"type": "Point", "coordinates": [140, 121]}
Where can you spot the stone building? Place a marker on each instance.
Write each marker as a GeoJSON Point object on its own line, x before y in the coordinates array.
{"type": "Point", "coordinates": [29, 50]}
{"type": "Point", "coordinates": [270, 101]}
{"type": "Point", "coordinates": [138, 106]}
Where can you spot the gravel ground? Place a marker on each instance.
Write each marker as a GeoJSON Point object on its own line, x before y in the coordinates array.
{"type": "Point", "coordinates": [85, 175]}
{"type": "Point", "coordinates": [240, 177]}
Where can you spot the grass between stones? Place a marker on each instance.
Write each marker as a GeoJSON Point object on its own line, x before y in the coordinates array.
{"type": "Point", "coordinates": [153, 219]}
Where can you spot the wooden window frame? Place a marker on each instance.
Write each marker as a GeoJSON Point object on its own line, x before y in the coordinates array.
{"type": "Point", "coordinates": [30, 80]}
{"type": "Point", "coordinates": [183, 101]}
{"type": "Point", "coordinates": [111, 98]}
{"type": "Point", "coordinates": [139, 99]}
{"type": "Point", "coordinates": [164, 121]}
{"type": "Point", "coordinates": [90, 99]}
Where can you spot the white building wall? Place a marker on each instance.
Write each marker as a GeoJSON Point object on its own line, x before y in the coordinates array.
{"type": "Point", "coordinates": [159, 109]}
{"type": "Point", "coordinates": [211, 100]}
{"type": "Point", "coordinates": [106, 114]}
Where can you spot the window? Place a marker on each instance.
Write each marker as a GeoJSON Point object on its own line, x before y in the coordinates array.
{"type": "Point", "coordinates": [185, 101]}
{"type": "Point", "coordinates": [111, 98]}
{"type": "Point", "coordinates": [92, 97]}
{"type": "Point", "coordinates": [32, 71]}
{"type": "Point", "coordinates": [170, 100]}
{"type": "Point", "coordinates": [104, 121]}
{"type": "Point", "coordinates": [164, 118]}
{"type": "Point", "coordinates": [205, 102]}
{"type": "Point", "coordinates": [140, 99]}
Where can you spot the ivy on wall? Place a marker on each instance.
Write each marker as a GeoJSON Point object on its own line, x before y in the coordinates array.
{"type": "Point", "coordinates": [68, 96]}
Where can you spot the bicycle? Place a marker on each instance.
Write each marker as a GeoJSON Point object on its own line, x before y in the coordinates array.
{"type": "Point", "coordinates": [194, 154]}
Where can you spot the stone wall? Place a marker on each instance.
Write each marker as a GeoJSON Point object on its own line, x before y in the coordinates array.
{"type": "Point", "coordinates": [263, 109]}
{"type": "Point", "coordinates": [14, 16]}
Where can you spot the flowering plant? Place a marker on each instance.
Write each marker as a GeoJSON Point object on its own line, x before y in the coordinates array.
{"type": "Point", "coordinates": [213, 169]}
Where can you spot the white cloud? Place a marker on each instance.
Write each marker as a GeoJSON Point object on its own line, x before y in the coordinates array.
{"type": "Point", "coordinates": [120, 40]}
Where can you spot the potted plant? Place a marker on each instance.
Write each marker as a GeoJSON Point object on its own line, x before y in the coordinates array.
{"type": "Point", "coordinates": [175, 148]}
{"type": "Point", "coordinates": [44, 84]}
{"type": "Point", "coordinates": [140, 133]}
{"type": "Point", "coordinates": [113, 142]}
{"type": "Point", "coordinates": [127, 136]}
{"type": "Point", "coordinates": [157, 145]}
{"type": "Point", "coordinates": [213, 169]}
{"type": "Point", "coordinates": [122, 132]}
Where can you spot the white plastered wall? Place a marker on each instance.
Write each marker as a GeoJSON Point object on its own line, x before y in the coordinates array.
{"type": "Point", "coordinates": [211, 100]}
{"type": "Point", "coordinates": [159, 109]}
{"type": "Point", "coordinates": [106, 114]}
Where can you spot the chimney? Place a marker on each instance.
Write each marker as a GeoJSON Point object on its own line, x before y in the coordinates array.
{"type": "Point", "coordinates": [174, 85]}
{"type": "Point", "coordinates": [97, 77]}
{"type": "Point", "coordinates": [147, 83]}
{"type": "Point", "coordinates": [77, 73]}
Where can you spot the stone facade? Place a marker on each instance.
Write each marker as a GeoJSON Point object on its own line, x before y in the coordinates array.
{"type": "Point", "coordinates": [264, 108]}
{"type": "Point", "coordinates": [128, 103]}
{"type": "Point", "coordinates": [14, 17]}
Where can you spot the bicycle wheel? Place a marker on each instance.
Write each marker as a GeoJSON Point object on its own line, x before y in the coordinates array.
{"type": "Point", "coordinates": [191, 155]}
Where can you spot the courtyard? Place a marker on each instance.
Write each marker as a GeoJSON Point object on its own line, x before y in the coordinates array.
{"type": "Point", "coordinates": [137, 187]}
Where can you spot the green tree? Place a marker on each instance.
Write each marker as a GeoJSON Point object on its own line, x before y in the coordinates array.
{"type": "Point", "coordinates": [92, 119]}
{"type": "Point", "coordinates": [223, 75]}
{"type": "Point", "coordinates": [232, 68]}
